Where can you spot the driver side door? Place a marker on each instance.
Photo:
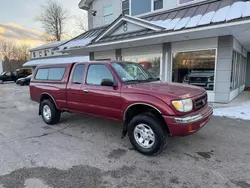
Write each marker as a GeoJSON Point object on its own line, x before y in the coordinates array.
{"type": "Point", "coordinates": [103, 101]}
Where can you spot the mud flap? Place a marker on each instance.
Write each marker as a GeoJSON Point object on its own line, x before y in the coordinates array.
{"type": "Point", "coordinates": [39, 111]}
{"type": "Point", "coordinates": [124, 130]}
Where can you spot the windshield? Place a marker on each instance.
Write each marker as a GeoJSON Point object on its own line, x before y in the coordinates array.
{"type": "Point", "coordinates": [2, 73]}
{"type": "Point", "coordinates": [132, 72]}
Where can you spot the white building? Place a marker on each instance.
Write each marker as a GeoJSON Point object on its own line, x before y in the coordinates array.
{"type": "Point", "coordinates": [49, 54]}
{"type": "Point", "coordinates": [200, 42]}
{"type": "Point", "coordinates": [46, 50]}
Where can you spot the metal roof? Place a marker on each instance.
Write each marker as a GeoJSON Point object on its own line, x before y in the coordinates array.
{"type": "Point", "coordinates": [191, 16]}
{"type": "Point", "coordinates": [49, 45]}
{"type": "Point", "coordinates": [200, 14]}
{"type": "Point", "coordinates": [83, 39]}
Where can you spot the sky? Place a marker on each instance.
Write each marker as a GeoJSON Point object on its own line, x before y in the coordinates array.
{"type": "Point", "coordinates": [17, 18]}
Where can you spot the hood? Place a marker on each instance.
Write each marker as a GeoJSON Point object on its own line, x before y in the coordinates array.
{"type": "Point", "coordinates": [166, 89]}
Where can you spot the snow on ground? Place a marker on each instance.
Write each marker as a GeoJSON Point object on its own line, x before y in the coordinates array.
{"type": "Point", "coordinates": [238, 112]}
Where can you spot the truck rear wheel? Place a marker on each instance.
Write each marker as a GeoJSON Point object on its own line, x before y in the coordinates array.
{"type": "Point", "coordinates": [146, 134]}
{"type": "Point", "coordinates": [50, 114]}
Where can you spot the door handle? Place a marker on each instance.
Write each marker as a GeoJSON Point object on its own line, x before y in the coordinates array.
{"type": "Point", "coordinates": [85, 91]}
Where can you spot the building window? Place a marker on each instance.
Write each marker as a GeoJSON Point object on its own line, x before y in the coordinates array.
{"type": "Point", "coordinates": [125, 7]}
{"type": "Point", "coordinates": [34, 54]}
{"type": "Point", "coordinates": [40, 54]}
{"type": "Point", "coordinates": [45, 52]}
{"type": "Point", "coordinates": [107, 14]}
{"type": "Point", "coordinates": [238, 72]}
{"type": "Point", "coordinates": [140, 6]}
{"type": "Point", "coordinates": [150, 62]}
{"type": "Point", "coordinates": [158, 4]}
{"type": "Point", "coordinates": [195, 68]}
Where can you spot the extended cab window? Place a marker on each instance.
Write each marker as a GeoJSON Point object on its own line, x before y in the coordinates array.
{"type": "Point", "coordinates": [56, 73]}
{"type": "Point", "coordinates": [78, 74]}
{"type": "Point", "coordinates": [97, 73]}
{"type": "Point", "coordinates": [42, 74]}
{"type": "Point", "coordinates": [50, 74]}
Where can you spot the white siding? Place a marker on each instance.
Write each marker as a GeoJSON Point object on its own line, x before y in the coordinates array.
{"type": "Point", "coordinates": [234, 94]}
{"type": "Point", "coordinates": [195, 44]}
{"type": "Point", "coordinates": [244, 53]}
{"type": "Point", "coordinates": [152, 49]}
{"type": "Point", "coordinates": [237, 46]}
{"type": "Point", "coordinates": [109, 54]}
{"type": "Point", "coordinates": [98, 6]}
{"type": "Point", "coordinates": [130, 28]}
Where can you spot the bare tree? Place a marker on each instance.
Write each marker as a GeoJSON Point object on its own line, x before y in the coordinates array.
{"type": "Point", "coordinates": [7, 47]}
{"type": "Point", "coordinates": [48, 38]}
{"type": "Point", "coordinates": [81, 22]}
{"type": "Point", "coordinates": [14, 55]}
{"type": "Point", "coordinates": [21, 52]}
{"type": "Point", "coordinates": [11, 51]}
{"type": "Point", "coordinates": [53, 19]}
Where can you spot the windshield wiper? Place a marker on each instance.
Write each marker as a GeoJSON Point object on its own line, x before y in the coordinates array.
{"type": "Point", "coordinates": [152, 79]}
{"type": "Point", "coordinates": [132, 81]}
{"type": "Point", "coordinates": [140, 81]}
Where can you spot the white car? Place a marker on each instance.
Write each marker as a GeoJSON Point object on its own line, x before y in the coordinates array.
{"type": "Point", "coordinates": [202, 78]}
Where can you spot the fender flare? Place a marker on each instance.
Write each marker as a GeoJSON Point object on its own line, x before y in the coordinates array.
{"type": "Point", "coordinates": [133, 104]}
{"type": "Point", "coordinates": [54, 101]}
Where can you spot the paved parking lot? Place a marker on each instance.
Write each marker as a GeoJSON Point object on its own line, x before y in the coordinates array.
{"type": "Point", "coordinates": [85, 151]}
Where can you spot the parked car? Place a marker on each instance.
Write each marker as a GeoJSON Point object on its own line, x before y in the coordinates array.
{"type": "Point", "coordinates": [150, 110]}
{"type": "Point", "coordinates": [8, 76]}
{"type": "Point", "coordinates": [202, 78]}
{"type": "Point", "coordinates": [23, 72]}
{"type": "Point", "coordinates": [24, 81]}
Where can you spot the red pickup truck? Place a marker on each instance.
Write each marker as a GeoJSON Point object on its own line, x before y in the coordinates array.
{"type": "Point", "coordinates": [149, 109]}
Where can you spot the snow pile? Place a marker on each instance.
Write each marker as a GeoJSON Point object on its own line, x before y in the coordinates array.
{"type": "Point", "coordinates": [237, 112]}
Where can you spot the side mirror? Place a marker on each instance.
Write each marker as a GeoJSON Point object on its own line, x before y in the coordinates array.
{"type": "Point", "coordinates": [107, 82]}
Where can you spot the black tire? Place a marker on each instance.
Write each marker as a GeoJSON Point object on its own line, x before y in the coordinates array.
{"type": "Point", "coordinates": [157, 128]}
{"type": "Point", "coordinates": [55, 113]}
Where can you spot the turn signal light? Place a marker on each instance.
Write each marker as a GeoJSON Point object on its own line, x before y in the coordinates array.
{"type": "Point", "coordinates": [190, 128]}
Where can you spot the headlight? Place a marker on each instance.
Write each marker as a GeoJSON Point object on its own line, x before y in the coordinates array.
{"type": "Point", "coordinates": [186, 78]}
{"type": "Point", "coordinates": [185, 105]}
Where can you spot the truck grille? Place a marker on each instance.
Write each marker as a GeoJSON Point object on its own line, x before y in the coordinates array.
{"type": "Point", "coordinates": [200, 102]}
{"type": "Point", "coordinates": [198, 79]}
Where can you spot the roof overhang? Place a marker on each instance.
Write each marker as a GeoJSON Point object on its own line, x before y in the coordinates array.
{"type": "Point", "coordinates": [235, 29]}
{"type": "Point", "coordinates": [56, 60]}
{"type": "Point", "coordinates": [84, 4]}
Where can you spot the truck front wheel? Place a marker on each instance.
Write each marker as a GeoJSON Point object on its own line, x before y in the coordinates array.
{"type": "Point", "coordinates": [50, 114]}
{"type": "Point", "coordinates": [146, 134]}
